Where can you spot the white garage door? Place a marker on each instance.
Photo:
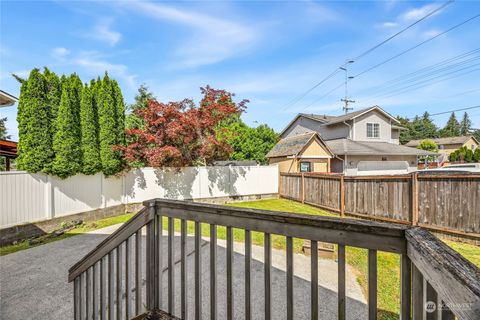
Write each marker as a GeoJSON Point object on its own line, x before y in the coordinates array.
{"type": "Point", "coordinates": [382, 167]}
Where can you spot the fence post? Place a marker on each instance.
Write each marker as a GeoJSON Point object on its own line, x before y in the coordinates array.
{"type": "Point", "coordinates": [303, 187]}
{"type": "Point", "coordinates": [342, 196]}
{"type": "Point", "coordinates": [414, 199]}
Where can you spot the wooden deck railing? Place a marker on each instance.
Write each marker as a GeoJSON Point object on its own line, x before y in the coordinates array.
{"type": "Point", "coordinates": [105, 278]}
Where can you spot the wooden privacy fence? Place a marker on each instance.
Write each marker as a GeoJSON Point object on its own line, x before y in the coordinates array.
{"type": "Point", "coordinates": [447, 203]}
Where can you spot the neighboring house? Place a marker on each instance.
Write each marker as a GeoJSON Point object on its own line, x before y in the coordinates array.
{"type": "Point", "coordinates": [301, 153]}
{"type": "Point", "coordinates": [448, 145]}
{"type": "Point", "coordinates": [363, 142]}
{"type": "Point", "coordinates": [7, 99]}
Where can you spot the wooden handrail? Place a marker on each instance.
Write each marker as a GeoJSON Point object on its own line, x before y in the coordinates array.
{"type": "Point", "coordinates": [352, 232]}
{"type": "Point", "coordinates": [111, 242]}
{"type": "Point", "coordinates": [455, 279]}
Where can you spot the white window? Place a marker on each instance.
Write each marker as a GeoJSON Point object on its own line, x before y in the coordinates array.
{"type": "Point", "coordinates": [373, 130]}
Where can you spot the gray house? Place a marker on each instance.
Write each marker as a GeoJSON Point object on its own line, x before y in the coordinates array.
{"type": "Point", "coordinates": [363, 142]}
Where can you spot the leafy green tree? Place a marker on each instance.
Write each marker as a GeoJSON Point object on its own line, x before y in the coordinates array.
{"type": "Point", "coordinates": [465, 125]}
{"type": "Point", "coordinates": [428, 145]}
{"type": "Point", "coordinates": [469, 155]}
{"type": "Point", "coordinates": [108, 134]}
{"type": "Point", "coordinates": [66, 141]}
{"type": "Point", "coordinates": [3, 129]}
{"type": "Point", "coordinates": [247, 143]}
{"type": "Point", "coordinates": [35, 151]}
{"type": "Point", "coordinates": [54, 94]}
{"type": "Point", "coordinates": [91, 163]}
{"type": "Point", "coordinates": [452, 128]}
{"type": "Point", "coordinates": [133, 121]}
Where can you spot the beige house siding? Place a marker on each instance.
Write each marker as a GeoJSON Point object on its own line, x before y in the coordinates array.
{"type": "Point", "coordinates": [334, 131]}
{"type": "Point", "coordinates": [315, 149]}
{"type": "Point", "coordinates": [449, 148]}
{"type": "Point", "coordinates": [360, 127]}
{"type": "Point", "coordinates": [300, 126]}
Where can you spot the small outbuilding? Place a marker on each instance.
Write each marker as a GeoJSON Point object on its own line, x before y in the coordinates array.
{"type": "Point", "coordinates": [301, 153]}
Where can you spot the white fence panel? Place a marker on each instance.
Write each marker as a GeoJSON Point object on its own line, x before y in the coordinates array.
{"type": "Point", "coordinates": [28, 197]}
{"type": "Point", "coordinates": [22, 198]}
{"type": "Point", "coordinates": [76, 194]}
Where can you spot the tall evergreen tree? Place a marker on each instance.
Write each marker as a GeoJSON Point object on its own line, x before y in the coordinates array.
{"type": "Point", "coordinates": [3, 129]}
{"type": "Point", "coordinates": [120, 112]}
{"type": "Point", "coordinates": [34, 125]}
{"type": "Point", "coordinates": [132, 120]}
{"type": "Point", "coordinates": [465, 125]}
{"type": "Point", "coordinates": [91, 163]}
{"type": "Point", "coordinates": [452, 128]}
{"type": "Point", "coordinates": [67, 142]}
{"type": "Point", "coordinates": [108, 133]}
{"type": "Point", "coordinates": [54, 94]}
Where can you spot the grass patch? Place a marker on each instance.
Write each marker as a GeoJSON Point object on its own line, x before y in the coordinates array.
{"type": "Point", "coordinates": [470, 252]}
{"type": "Point", "coordinates": [80, 229]}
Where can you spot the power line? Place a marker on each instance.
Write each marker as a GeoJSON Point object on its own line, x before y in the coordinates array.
{"type": "Point", "coordinates": [462, 109]}
{"type": "Point", "coordinates": [416, 46]}
{"type": "Point", "coordinates": [300, 97]}
{"type": "Point", "coordinates": [405, 29]}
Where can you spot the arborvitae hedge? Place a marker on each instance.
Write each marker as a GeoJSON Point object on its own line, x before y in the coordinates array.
{"type": "Point", "coordinates": [65, 129]}
{"type": "Point", "coordinates": [89, 133]}
{"type": "Point", "coordinates": [34, 119]}
{"type": "Point", "coordinates": [66, 141]}
{"type": "Point", "coordinates": [108, 120]}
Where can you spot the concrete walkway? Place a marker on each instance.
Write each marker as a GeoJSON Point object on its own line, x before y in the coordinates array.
{"type": "Point", "coordinates": [33, 283]}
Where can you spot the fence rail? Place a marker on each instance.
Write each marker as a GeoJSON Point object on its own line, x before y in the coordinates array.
{"type": "Point", "coordinates": [447, 203]}
{"type": "Point", "coordinates": [102, 286]}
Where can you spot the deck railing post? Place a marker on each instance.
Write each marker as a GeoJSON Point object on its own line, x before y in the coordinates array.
{"type": "Point", "coordinates": [303, 187]}
{"type": "Point", "coordinates": [414, 199]}
{"type": "Point", "coordinates": [342, 196]}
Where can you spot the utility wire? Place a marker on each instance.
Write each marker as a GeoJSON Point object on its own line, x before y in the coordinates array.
{"type": "Point", "coordinates": [405, 29]}
{"type": "Point", "coordinates": [462, 109]}
{"type": "Point", "coordinates": [416, 46]}
{"type": "Point", "coordinates": [300, 97]}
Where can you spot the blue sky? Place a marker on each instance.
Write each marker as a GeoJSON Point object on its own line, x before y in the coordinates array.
{"type": "Point", "coordinates": [266, 51]}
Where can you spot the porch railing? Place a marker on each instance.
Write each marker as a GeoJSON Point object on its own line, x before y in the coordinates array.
{"type": "Point", "coordinates": [109, 281]}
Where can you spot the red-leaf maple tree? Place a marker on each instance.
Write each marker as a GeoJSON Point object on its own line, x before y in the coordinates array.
{"type": "Point", "coordinates": [177, 134]}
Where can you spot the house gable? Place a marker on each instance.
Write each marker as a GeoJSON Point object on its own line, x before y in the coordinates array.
{"type": "Point", "coordinates": [372, 118]}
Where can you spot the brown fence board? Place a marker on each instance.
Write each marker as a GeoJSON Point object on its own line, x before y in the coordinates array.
{"type": "Point", "coordinates": [448, 203]}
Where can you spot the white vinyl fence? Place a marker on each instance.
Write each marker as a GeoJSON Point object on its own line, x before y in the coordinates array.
{"type": "Point", "coordinates": [26, 197]}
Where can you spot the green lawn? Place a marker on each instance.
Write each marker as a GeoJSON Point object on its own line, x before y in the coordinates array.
{"type": "Point", "coordinates": [85, 227]}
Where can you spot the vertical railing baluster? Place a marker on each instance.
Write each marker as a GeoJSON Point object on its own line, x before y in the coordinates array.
{"type": "Point", "coordinates": [289, 278]}
{"type": "Point", "coordinates": [94, 291]}
{"type": "Point", "coordinates": [341, 281]}
{"type": "Point", "coordinates": [118, 253]}
{"type": "Point", "coordinates": [150, 265]}
{"type": "Point", "coordinates": [248, 281]}
{"type": "Point", "coordinates": [444, 313]}
{"type": "Point", "coordinates": [213, 272]}
{"type": "Point", "coordinates": [405, 288]}
{"type": "Point", "coordinates": [417, 293]}
{"type": "Point", "coordinates": [198, 271]}
{"type": "Point", "coordinates": [110, 273]}
{"type": "Point", "coordinates": [138, 271]}
{"type": "Point", "coordinates": [430, 296]}
{"type": "Point", "coordinates": [372, 284]}
{"type": "Point", "coordinates": [159, 257]}
{"type": "Point", "coordinates": [102, 289]}
{"type": "Point", "coordinates": [88, 307]}
{"type": "Point", "coordinates": [183, 268]}
{"type": "Point", "coordinates": [127, 279]}
{"type": "Point", "coordinates": [314, 280]}
{"type": "Point", "coordinates": [229, 273]}
{"type": "Point", "coordinates": [171, 266]}
{"type": "Point", "coordinates": [76, 298]}
{"type": "Point", "coordinates": [267, 275]}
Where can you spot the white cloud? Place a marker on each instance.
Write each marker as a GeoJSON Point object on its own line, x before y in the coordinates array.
{"type": "Point", "coordinates": [212, 39]}
{"type": "Point", "coordinates": [60, 52]}
{"type": "Point", "coordinates": [389, 24]}
{"type": "Point", "coordinates": [102, 32]}
{"type": "Point", "coordinates": [417, 13]}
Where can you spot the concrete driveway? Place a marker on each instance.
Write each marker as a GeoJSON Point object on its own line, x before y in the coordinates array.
{"type": "Point", "coordinates": [33, 283]}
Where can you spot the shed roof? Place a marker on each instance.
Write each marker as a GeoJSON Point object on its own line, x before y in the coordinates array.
{"type": "Point", "coordinates": [293, 146]}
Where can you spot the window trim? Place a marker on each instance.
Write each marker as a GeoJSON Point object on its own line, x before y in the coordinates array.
{"type": "Point", "coordinates": [374, 124]}
{"type": "Point", "coordinates": [309, 166]}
